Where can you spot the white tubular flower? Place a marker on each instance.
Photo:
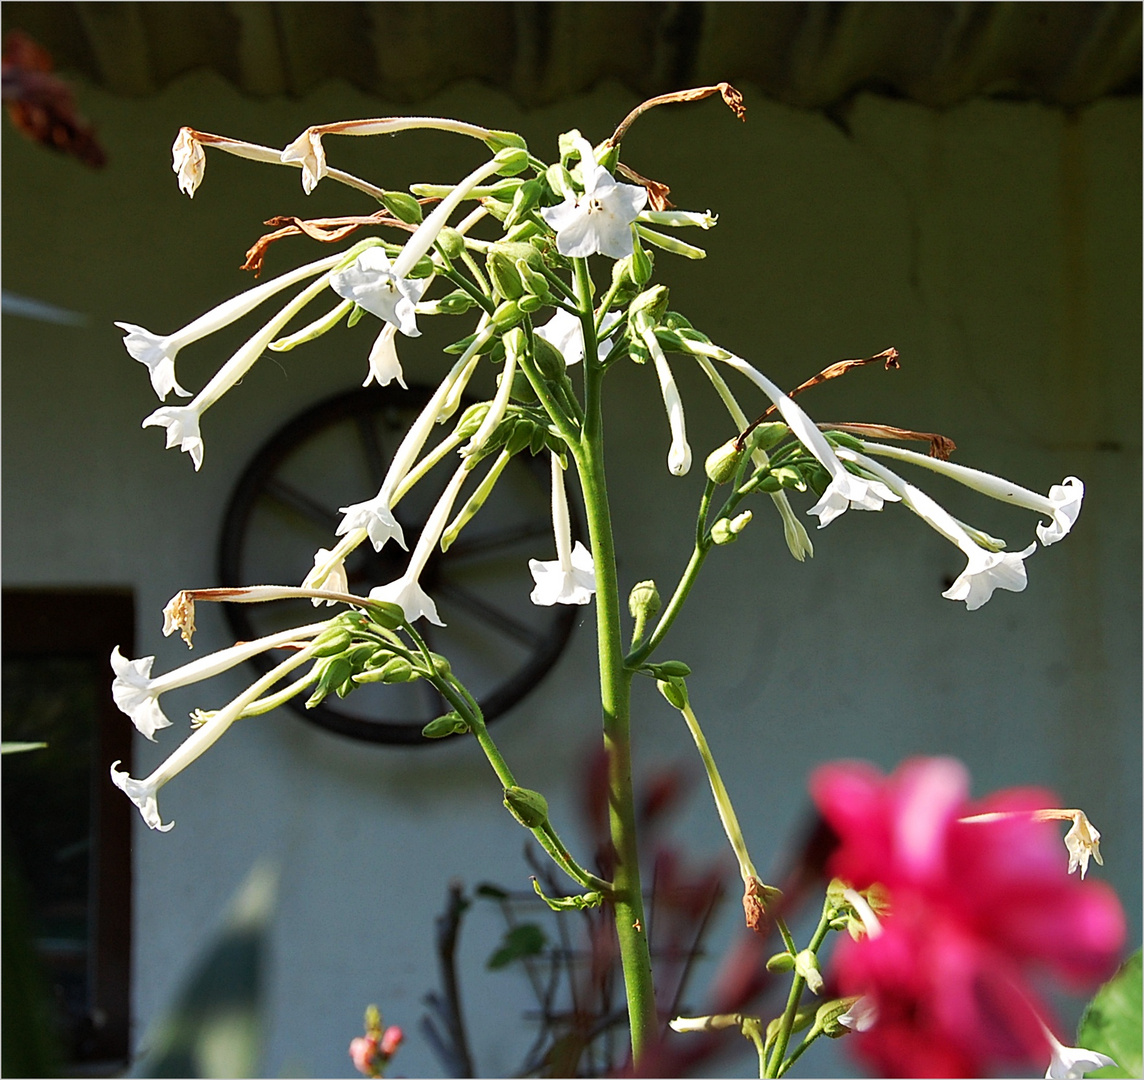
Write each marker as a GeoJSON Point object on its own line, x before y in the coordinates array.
{"type": "Point", "coordinates": [182, 423]}
{"type": "Point", "coordinates": [571, 578]}
{"type": "Point", "coordinates": [371, 282]}
{"type": "Point", "coordinates": [497, 408]}
{"type": "Point", "coordinates": [565, 333]}
{"type": "Point", "coordinates": [376, 515]}
{"type": "Point", "coordinates": [406, 591]}
{"type": "Point", "coordinates": [188, 161]}
{"type": "Point", "coordinates": [384, 365]}
{"type": "Point", "coordinates": [679, 455]}
{"type": "Point", "coordinates": [144, 793]}
{"type": "Point", "coordinates": [985, 571]}
{"type": "Point", "coordinates": [158, 351]}
{"type": "Point", "coordinates": [599, 221]}
{"type": "Point", "coordinates": [1062, 506]}
{"type": "Point", "coordinates": [861, 1016]}
{"type": "Point", "coordinates": [845, 491]}
{"type": "Point", "coordinates": [137, 694]}
{"type": "Point", "coordinates": [677, 218]}
{"type": "Point", "coordinates": [1072, 1062]}
{"type": "Point", "coordinates": [1082, 841]}
{"type": "Point", "coordinates": [329, 573]}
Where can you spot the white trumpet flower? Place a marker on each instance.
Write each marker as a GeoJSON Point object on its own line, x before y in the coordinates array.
{"type": "Point", "coordinates": [384, 364]}
{"type": "Point", "coordinates": [571, 577]}
{"type": "Point", "coordinates": [406, 591]}
{"type": "Point", "coordinates": [158, 351]}
{"type": "Point", "coordinates": [599, 221]}
{"type": "Point", "coordinates": [565, 333]}
{"type": "Point", "coordinates": [371, 283]}
{"type": "Point", "coordinates": [1061, 506]}
{"type": "Point", "coordinates": [985, 571]}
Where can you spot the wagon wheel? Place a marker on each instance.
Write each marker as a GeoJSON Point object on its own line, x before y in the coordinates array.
{"type": "Point", "coordinates": [285, 506]}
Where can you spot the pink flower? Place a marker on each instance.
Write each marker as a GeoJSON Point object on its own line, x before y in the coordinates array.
{"type": "Point", "coordinates": [391, 1040]}
{"type": "Point", "coordinates": [976, 908]}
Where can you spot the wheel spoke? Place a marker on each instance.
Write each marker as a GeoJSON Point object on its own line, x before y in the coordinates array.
{"type": "Point", "coordinates": [279, 491]}
{"type": "Point", "coordinates": [502, 538]}
{"type": "Point", "coordinates": [371, 445]}
{"type": "Point", "coordinates": [489, 614]}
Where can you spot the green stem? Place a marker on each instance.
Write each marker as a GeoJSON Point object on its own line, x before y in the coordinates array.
{"type": "Point", "coordinates": [615, 694]}
{"type": "Point", "coordinates": [782, 1040]}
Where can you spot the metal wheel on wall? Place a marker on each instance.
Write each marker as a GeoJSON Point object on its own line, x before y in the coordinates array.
{"type": "Point", "coordinates": [285, 506]}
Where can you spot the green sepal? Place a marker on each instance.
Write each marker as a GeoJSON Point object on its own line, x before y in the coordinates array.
{"type": "Point", "coordinates": [675, 690]}
{"type": "Point", "coordinates": [845, 440]}
{"type": "Point", "coordinates": [385, 613]}
{"type": "Point", "coordinates": [526, 199]}
{"type": "Point", "coordinates": [511, 160]}
{"type": "Point", "coordinates": [451, 242]}
{"type": "Point", "coordinates": [450, 724]}
{"type": "Point", "coordinates": [502, 140]}
{"type": "Point", "coordinates": [355, 315]}
{"type": "Point", "coordinates": [569, 903]}
{"type": "Point", "coordinates": [521, 436]}
{"type": "Point", "coordinates": [529, 807]}
{"type": "Point", "coordinates": [669, 669]}
{"type": "Point", "coordinates": [559, 179]}
{"type": "Point", "coordinates": [331, 642]}
{"type": "Point", "coordinates": [780, 962]}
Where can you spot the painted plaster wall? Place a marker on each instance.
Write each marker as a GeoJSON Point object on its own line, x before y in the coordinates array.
{"type": "Point", "coordinates": [996, 246]}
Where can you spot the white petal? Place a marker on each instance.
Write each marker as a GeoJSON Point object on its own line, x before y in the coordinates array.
{"type": "Point", "coordinates": [1066, 498]}
{"type": "Point", "coordinates": [557, 586]}
{"type": "Point", "coordinates": [384, 364]}
{"type": "Point", "coordinates": [188, 161]}
{"type": "Point", "coordinates": [144, 796]}
{"type": "Point", "coordinates": [987, 572]}
{"type": "Point", "coordinates": [307, 149]}
{"type": "Point", "coordinates": [157, 354]}
{"type": "Point", "coordinates": [133, 693]}
{"type": "Point", "coordinates": [376, 518]}
{"type": "Point", "coordinates": [411, 598]}
{"type": "Point", "coordinates": [182, 426]}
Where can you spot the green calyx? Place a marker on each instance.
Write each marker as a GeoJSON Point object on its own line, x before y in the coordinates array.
{"type": "Point", "coordinates": [530, 808]}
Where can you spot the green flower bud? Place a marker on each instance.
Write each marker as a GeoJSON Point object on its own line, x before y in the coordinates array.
{"type": "Point", "coordinates": [455, 303]}
{"type": "Point", "coordinates": [845, 439]}
{"type": "Point", "coordinates": [769, 484]}
{"type": "Point", "coordinates": [538, 441]}
{"type": "Point", "coordinates": [828, 1016]}
{"type": "Point", "coordinates": [559, 180]}
{"type": "Point", "coordinates": [452, 242]}
{"type": "Point", "coordinates": [530, 808]}
{"type": "Point", "coordinates": [549, 359]}
{"type": "Point", "coordinates": [512, 160]}
{"type": "Point", "coordinates": [471, 420]}
{"type": "Point", "coordinates": [522, 389]}
{"type": "Point", "coordinates": [653, 301]}
{"type": "Point", "coordinates": [789, 478]}
{"type": "Point", "coordinates": [675, 690]}
{"type": "Point", "coordinates": [440, 664]}
{"type": "Point", "coordinates": [780, 962]}
{"type": "Point", "coordinates": [670, 669]}
{"type": "Point", "coordinates": [644, 600]}
{"type": "Point", "coordinates": [529, 304]}
{"type": "Point", "coordinates": [723, 462]}
{"type": "Point", "coordinates": [806, 965]}
{"type": "Point", "coordinates": [641, 266]}
{"type": "Point", "coordinates": [396, 670]}
{"type": "Point", "coordinates": [387, 615]}
{"type": "Point", "coordinates": [423, 268]}
{"type": "Point", "coordinates": [501, 140]}
{"type": "Point", "coordinates": [534, 283]}
{"type": "Point", "coordinates": [333, 672]}
{"type": "Point", "coordinates": [726, 530]}
{"type": "Point", "coordinates": [504, 274]}
{"type": "Point", "coordinates": [819, 480]}
{"type": "Point", "coordinates": [449, 724]}
{"type": "Point", "coordinates": [770, 434]}
{"type": "Point", "coordinates": [402, 206]}
{"type": "Point", "coordinates": [507, 315]}
{"type": "Point", "coordinates": [674, 321]}
{"type": "Point", "coordinates": [526, 199]}
{"type": "Point", "coordinates": [331, 642]}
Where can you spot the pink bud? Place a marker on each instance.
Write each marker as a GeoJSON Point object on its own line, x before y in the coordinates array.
{"type": "Point", "coordinates": [363, 1051]}
{"type": "Point", "coordinates": [390, 1041]}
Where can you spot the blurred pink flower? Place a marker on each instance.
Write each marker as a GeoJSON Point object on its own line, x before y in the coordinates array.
{"type": "Point", "coordinates": [975, 910]}
{"type": "Point", "coordinates": [363, 1050]}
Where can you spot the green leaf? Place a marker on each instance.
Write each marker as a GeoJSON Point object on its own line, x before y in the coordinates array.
{"type": "Point", "coordinates": [527, 939]}
{"type": "Point", "coordinates": [1111, 1024]}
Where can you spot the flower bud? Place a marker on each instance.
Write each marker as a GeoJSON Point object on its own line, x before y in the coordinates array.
{"type": "Point", "coordinates": [402, 206]}
{"type": "Point", "coordinates": [440, 664]}
{"type": "Point", "coordinates": [675, 690]}
{"type": "Point", "coordinates": [397, 670]}
{"type": "Point", "coordinates": [512, 160]}
{"type": "Point", "coordinates": [845, 439]}
{"type": "Point", "coordinates": [386, 614]}
{"type": "Point", "coordinates": [767, 435]}
{"type": "Point", "coordinates": [789, 478]}
{"type": "Point", "coordinates": [455, 303]}
{"type": "Point", "coordinates": [529, 303]}
{"type": "Point", "coordinates": [507, 315]}
{"type": "Point", "coordinates": [806, 965]}
{"type": "Point", "coordinates": [780, 962]}
{"type": "Point", "coordinates": [652, 301]}
{"type": "Point", "coordinates": [723, 462]}
{"type": "Point", "coordinates": [449, 724]}
{"type": "Point", "coordinates": [829, 1015]}
{"type": "Point", "coordinates": [530, 808]}
{"type": "Point", "coordinates": [526, 199]}
{"type": "Point", "coordinates": [549, 360]}
{"type": "Point", "coordinates": [471, 420]}
{"type": "Point", "coordinates": [534, 283]}
{"type": "Point", "coordinates": [452, 242]}
{"type": "Point", "coordinates": [670, 669]}
{"type": "Point", "coordinates": [726, 530]}
{"type": "Point", "coordinates": [332, 642]}
{"type": "Point", "coordinates": [504, 274]}
{"type": "Point", "coordinates": [559, 180]}
{"type": "Point", "coordinates": [644, 600]}
{"type": "Point", "coordinates": [641, 264]}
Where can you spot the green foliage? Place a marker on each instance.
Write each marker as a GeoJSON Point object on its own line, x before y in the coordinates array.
{"type": "Point", "coordinates": [1112, 1022]}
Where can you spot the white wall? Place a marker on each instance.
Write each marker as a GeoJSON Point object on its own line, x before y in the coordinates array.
{"type": "Point", "coordinates": [996, 246]}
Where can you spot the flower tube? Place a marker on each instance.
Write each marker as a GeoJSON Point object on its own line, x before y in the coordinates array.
{"type": "Point", "coordinates": [182, 423]}
{"type": "Point", "coordinates": [679, 455]}
{"type": "Point", "coordinates": [144, 793]}
{"type": "Point", "coordinates": [158, 351]}
{"type": "Point", "coordinates": [406, 591]}
{"type": "Point", "coordinates": [571, 578]}
{"type": "Point", "coordinates": [137, 694]}
{"type": "Point", "coordinates": [986, 570]}
{"type": "Point", "coordinates": [1061, 506]}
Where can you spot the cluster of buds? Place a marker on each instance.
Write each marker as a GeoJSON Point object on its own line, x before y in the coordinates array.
{"type": "Point", "coordinates": [371, 1053]}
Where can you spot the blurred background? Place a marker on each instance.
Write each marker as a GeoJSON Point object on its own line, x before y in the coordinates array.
{"type": "Point", "coordinates": [959, 181]}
